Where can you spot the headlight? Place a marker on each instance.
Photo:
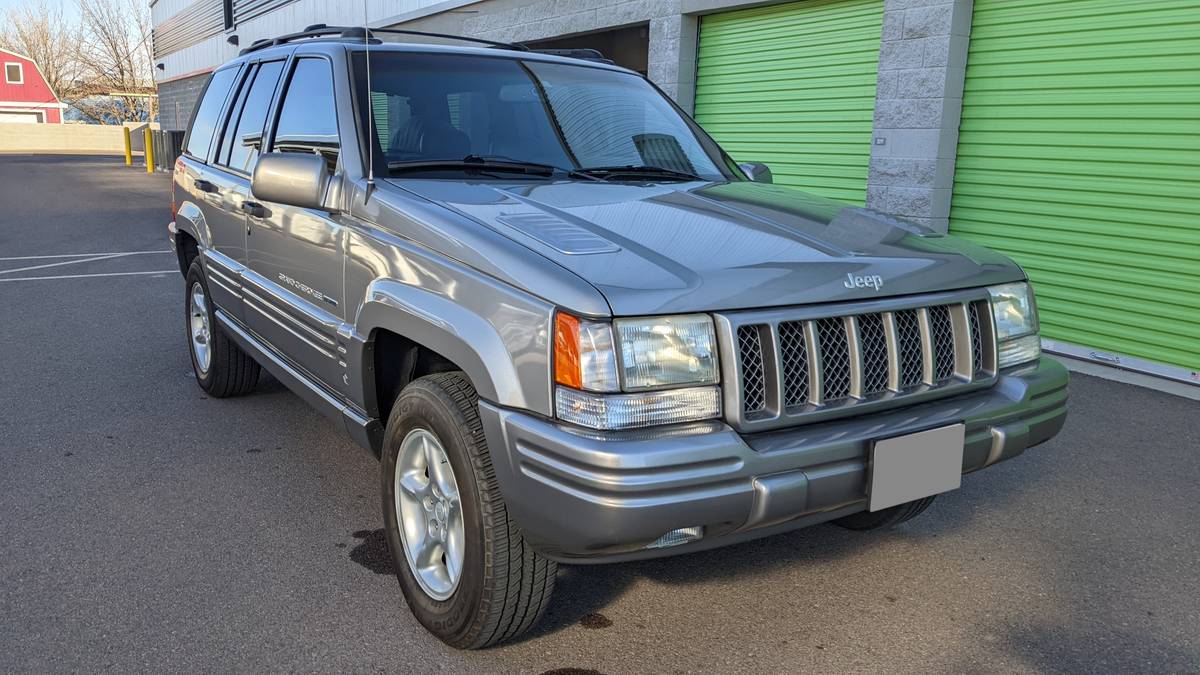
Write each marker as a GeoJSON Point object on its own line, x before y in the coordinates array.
{"type": "Point", "coordinates": [1016, 321]}
{"type": "Point", "coordinates": [668, 366]}
{"type": "Point", "coordinates": [667, 352]}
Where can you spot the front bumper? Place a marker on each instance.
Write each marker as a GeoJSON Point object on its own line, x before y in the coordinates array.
{"type": "Point", "coordinates": [582, 496]}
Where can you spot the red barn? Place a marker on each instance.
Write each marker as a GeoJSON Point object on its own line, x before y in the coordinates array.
{"type": "Point", "coordinates": [24, 94]}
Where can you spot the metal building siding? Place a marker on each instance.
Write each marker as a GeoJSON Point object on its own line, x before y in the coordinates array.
{"type": "Point", "coordinates": [193, 24]}
{"type": "Point", "coordinates": [793, 86]}
{"type": "Point", "coordinates": [244, 10]}
{"type": "Point", "coordinates": [1079, 155]}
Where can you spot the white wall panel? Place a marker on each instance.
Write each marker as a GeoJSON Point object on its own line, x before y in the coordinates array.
{"type": "Point", "coordinates": [288, 19]}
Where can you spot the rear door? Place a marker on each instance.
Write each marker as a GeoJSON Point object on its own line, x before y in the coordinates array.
{"type": "Point", "coordinates": [294, 282]}
{"type": "Point", "coordinates": [220, 225]}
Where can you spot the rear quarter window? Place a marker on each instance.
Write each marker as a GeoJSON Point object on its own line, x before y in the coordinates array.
{"type": "Point", "coordinates": [207, 117]}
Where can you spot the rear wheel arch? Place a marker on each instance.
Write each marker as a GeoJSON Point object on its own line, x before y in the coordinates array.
{"type": "Point", "coordinates": [186, 250]}
{"type": "Point", "coordinates": [190, 236]}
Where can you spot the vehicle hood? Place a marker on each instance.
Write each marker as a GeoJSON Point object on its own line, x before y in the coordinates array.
{"type": "Point", "coordinates": [687, 247]}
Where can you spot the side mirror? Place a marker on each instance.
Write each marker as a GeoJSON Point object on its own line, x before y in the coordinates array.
{"type": "Point", "coordinates": [756, 171]}
{"type": "Point", "coordinates": [292, 178]}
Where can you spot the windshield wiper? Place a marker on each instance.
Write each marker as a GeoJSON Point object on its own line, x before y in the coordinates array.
{"type": "Point", "coordinates": [470, 163]}
{"type": "Point", "coordinates": [638, 170]}
{"type": "Point", "coordinates": [491, 164]}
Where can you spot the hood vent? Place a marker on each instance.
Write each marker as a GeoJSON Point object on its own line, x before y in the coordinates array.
{"type": "Point", "coordinates": [557, 233]}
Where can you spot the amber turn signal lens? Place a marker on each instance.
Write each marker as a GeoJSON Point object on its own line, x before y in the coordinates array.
{"type": "Point", "coordinates": [566, 351]}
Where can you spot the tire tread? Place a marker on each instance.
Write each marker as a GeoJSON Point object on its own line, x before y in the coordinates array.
{"type": "Point", "coordinates": [518, 583]}
{"type": "Point", "coordinates": [232, 371]}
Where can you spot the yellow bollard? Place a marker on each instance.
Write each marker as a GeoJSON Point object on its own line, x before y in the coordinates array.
{"type": "Point", "coordinates": [148, 139]}
{"type": "Point", "coordinates": [128, 147]}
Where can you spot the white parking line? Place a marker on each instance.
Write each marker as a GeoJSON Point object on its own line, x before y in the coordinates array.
{"type": "Point", "coordinates": [79, 255]}
{"type": "Point", "coordinates": [85, 276]}
{"type": "Point", "coordinates": [75, 261]}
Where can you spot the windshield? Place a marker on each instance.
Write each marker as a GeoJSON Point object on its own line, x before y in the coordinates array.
{"type": "Point", "coordinates": [432, 111]}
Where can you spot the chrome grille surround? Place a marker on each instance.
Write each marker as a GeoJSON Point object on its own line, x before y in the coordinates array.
{"type": "Point", "coordinates": [814, 363]}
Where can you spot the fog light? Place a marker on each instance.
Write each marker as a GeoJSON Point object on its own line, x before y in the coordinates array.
{"type": "Point", "coordinates": [683, 535]}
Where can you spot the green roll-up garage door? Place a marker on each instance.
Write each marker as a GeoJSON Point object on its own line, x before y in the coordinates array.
{"type": "Point", "coordinates": [793, 86]}
{"type": "Point", "coordinates": [1079, 155]}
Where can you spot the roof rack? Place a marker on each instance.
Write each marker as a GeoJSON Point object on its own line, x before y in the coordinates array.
{"type": "Point", "coordinates": [364, 34]}
{"type": "Point", "coordinates": [583, 53]}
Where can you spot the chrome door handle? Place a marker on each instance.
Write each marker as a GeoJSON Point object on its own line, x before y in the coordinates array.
{"type": "Point", "coordinates": [254, 209]}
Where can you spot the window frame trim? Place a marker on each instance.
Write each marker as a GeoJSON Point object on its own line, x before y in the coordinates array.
{"type": "Point", "coordinates": [252, 69]}
{"type": "Point", "coordinates": [222, 112]}
{"type": "Point", "coordinates": [20, 72]}
{"type": "Point", "coordinates": [271, 130]}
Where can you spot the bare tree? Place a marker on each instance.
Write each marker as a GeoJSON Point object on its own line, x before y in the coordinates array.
{"type": "Point", "coordinates": [116, 60]}
{"type": "Point", "coordinates": [40, 30]}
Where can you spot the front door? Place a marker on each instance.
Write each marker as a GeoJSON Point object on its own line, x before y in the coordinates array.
{"type": "Point", "coordinates": [227, 178]}
{"type": "Point", "coordinates": [294, 281]}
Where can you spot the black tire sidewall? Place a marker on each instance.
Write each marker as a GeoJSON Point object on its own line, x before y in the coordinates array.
{"type": "Point", "coordinates": [196, 275]}
{"type": "Point", "coordinates": [420, 407]}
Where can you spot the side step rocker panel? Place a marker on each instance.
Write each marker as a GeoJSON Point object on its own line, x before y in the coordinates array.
{"type": "Point", "coordinates": [366, 432]}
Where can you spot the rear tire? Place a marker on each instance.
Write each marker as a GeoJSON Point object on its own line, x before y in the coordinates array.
{"type": "Point", "coordinates": [502, 586]}
{"type": "Point", "coordinates": [222, 368]}
{"type": "Point", "coordinates": [887, 518]}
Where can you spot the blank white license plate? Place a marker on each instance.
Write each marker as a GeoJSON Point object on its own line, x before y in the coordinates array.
{"type": "Point", "coordinates": [917, 465]}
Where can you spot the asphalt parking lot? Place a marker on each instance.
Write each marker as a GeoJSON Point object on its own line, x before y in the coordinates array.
{"type": "Point", "coordinates": [145, 527]}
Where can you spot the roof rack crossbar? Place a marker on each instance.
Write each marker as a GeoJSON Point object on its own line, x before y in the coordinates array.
{"type": "Point", "coordinates": [448, 36]}
{"type": "Point", "coordinates": [356, 32]}
{"type": "Point", "coordinates": [581, 53]}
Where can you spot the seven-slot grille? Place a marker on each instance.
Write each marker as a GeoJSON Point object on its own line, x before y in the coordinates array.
{"type": "Point", "coordinates": [791, 368]}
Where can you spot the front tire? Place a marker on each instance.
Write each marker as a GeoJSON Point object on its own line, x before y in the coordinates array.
{"type": "Point", "coordinates": [222, 368]}
{"type": "Point", "coordinates": [466, 571]}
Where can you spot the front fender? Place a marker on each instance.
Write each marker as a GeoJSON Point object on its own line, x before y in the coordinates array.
{"type": "Point", "coordinates": [501, 346]}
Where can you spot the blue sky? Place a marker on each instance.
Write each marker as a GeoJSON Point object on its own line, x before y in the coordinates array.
{"type": "Point", "coordinates": [68, 5]}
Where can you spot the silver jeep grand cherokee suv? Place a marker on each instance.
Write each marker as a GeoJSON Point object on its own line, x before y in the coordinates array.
{"type": "Point", "coordinates": [570, 326]}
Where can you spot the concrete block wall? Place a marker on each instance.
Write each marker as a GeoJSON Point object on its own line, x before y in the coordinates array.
{"type": "Point", "coordinates": [177, 99]}
{"type": "Point", "coordinates": [918, 104]}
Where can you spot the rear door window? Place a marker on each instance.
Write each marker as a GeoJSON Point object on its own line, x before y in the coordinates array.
{"type": "Point", "coordinates": [308, 118]}
{"type": "Point", "coordinates": [243, 137]}
{"type": "Point", "coordinates": [207, 118]}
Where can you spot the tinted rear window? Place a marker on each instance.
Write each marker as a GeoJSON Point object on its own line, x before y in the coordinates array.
{"type": "Point", "coordinates": [240, 149]}
{"type": "Point", "coordinates": [200, 136]}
